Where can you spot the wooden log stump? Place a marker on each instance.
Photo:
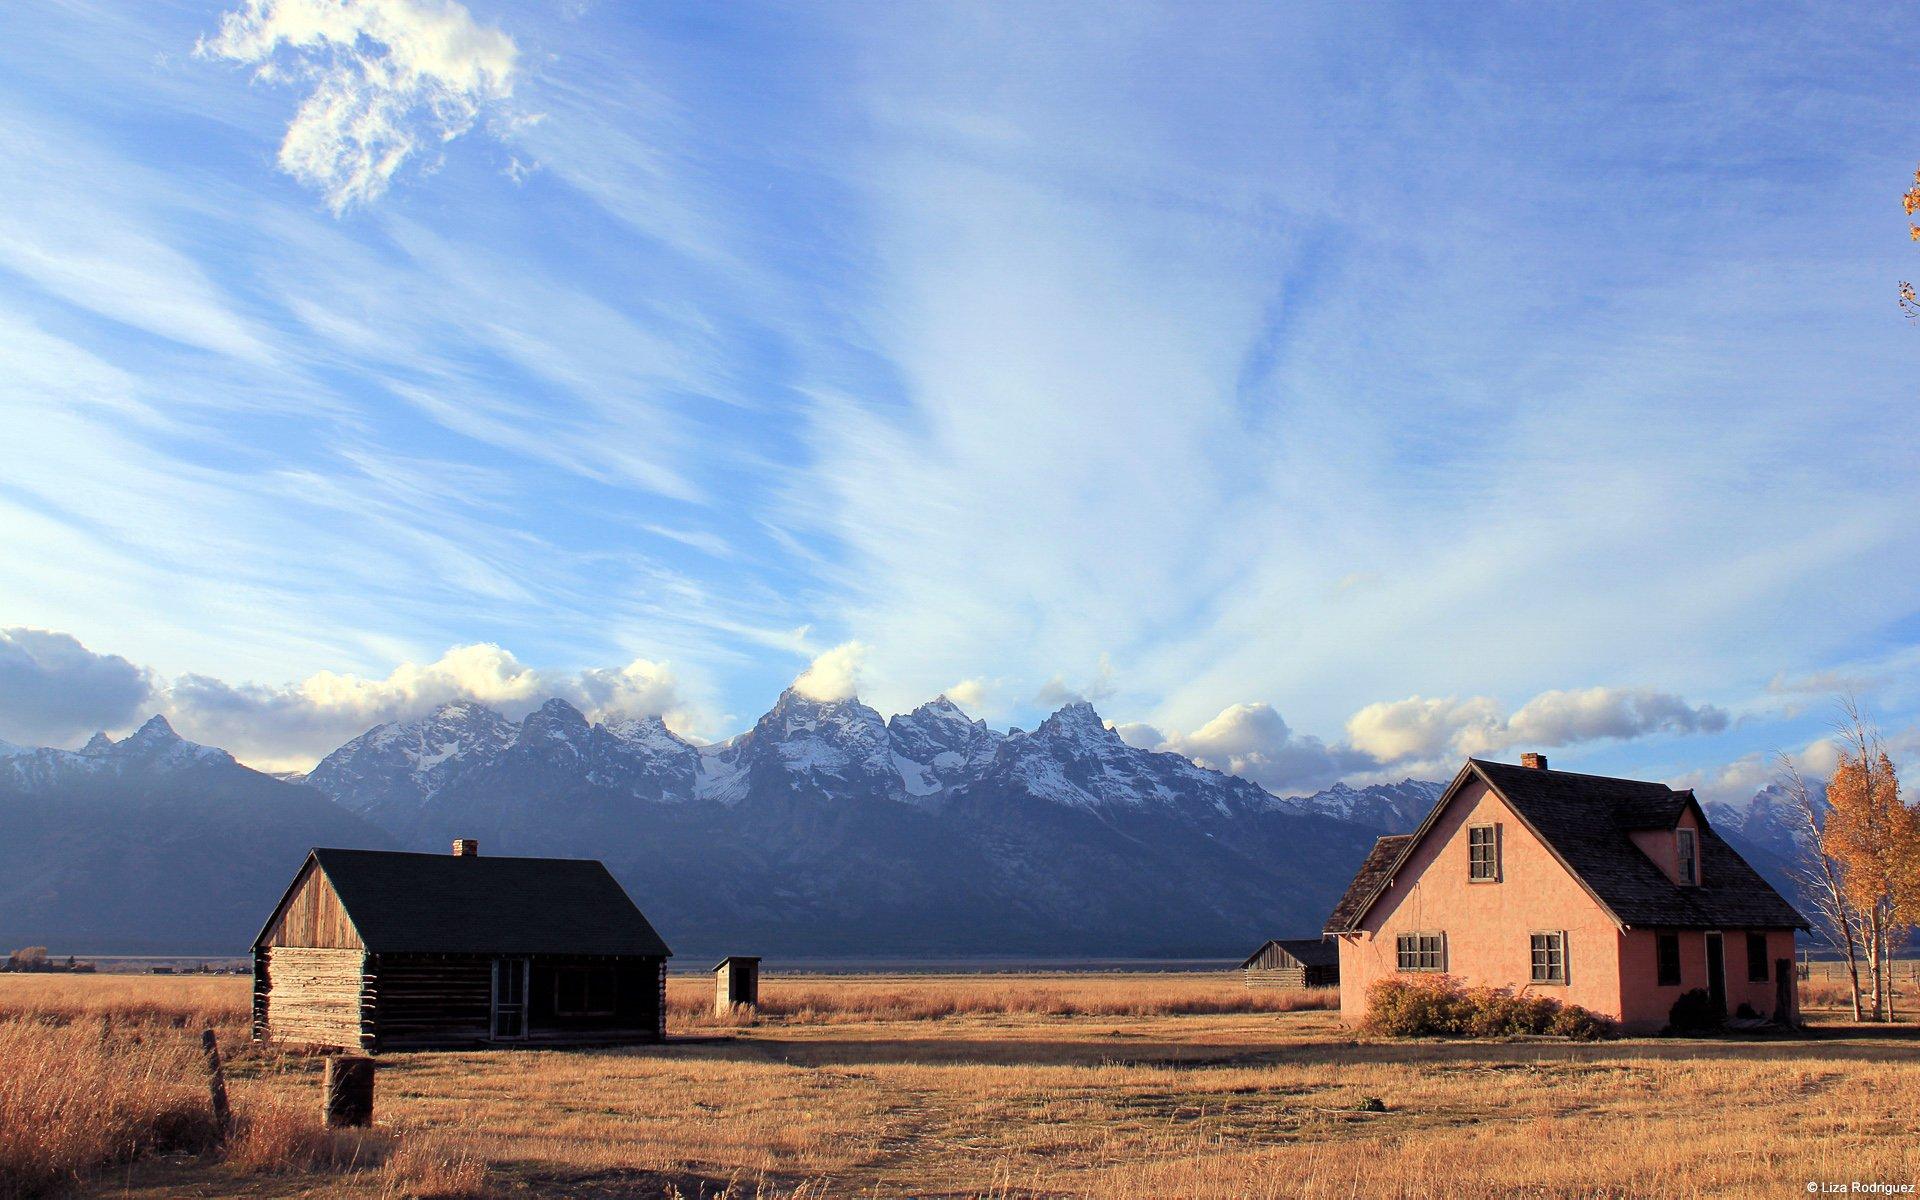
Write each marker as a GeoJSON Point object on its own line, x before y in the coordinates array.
{"type": "Point", "coordinates": [347, 1096]}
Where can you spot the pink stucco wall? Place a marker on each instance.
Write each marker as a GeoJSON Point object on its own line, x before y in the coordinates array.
{"type": "Point", "coordinates": [1489, 926]}
{"type": "Point", "coordinates": [1647, 1003]}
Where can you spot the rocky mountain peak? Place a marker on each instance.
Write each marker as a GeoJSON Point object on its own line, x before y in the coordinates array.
{"type": "Point", "coordinates": [1077, 722]}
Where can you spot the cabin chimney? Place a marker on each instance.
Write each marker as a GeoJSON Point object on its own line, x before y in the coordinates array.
{"type": "Point", "coordinates": [466, 848]}
{"type": "Point", "coordinates": [1537, 761]}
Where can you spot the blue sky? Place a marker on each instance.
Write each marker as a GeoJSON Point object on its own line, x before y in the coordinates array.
{"type": "Point", "coordinates": [1324, 391]}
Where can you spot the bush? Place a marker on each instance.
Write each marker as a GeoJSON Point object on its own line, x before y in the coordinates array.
{"type": "Point", "coordinates": [1694, 1012]}
{"type": "Point", "coordinates": [1440, 1006]}
{"type": "Point", "coordinates": [1581, 1025]}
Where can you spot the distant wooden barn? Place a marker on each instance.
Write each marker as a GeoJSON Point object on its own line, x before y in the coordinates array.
{"type": "Point", "coordinates": [374, 950]}
{"type": "Point", "coordinates": [1294, 962]}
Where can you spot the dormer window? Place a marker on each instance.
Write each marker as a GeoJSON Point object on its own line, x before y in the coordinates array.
{"type": "Point", "coordinates": [1687, 858]}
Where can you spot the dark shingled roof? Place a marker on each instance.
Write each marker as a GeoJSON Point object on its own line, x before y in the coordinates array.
{"type": "Point", "coordinates": [446, 904]}
{"type": "Point", "coordinates": [1311, 952]}
{"type": "Point", "coordinates": [1586, 820]}
{"type": "Point", "coordinates": [1371, 876]}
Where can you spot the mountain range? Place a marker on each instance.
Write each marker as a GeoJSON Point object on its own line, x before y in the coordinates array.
{"type": "Point", "coordinates": [824, 830]}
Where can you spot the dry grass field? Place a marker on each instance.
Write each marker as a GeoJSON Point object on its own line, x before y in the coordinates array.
{"type": "Point", "coordinates": [1124, 1086]}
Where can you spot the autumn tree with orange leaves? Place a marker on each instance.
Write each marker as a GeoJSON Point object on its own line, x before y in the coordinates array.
{"type": "Point", "coordinates": [1872, 841]}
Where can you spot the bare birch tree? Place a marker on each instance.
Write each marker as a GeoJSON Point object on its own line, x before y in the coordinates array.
{"type": "Point", "coordinates": [1819, 876]}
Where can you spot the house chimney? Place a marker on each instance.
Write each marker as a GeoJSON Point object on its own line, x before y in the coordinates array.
{"type": "Point", "coordinates": [1537, 761]}
{"type": "Point", "coordinates": [466, 848]}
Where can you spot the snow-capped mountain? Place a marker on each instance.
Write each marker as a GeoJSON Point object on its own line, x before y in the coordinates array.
{"type": "Point", "coordinates": [1388, 807]}
{"type": "Point", "coordinates": [1074, 759]}
{"type": "Point", "coordinates": [152, 747]}
{"type": "Point", "coordinates": [822, 830]}
{"type": "Point", "coordinates": [937, 746]}
{"type": "Point", "coordinates": [804, 748]}
{"type": "Point", "coordinates": [152, 843]}
{"type": "Point", "coordinates": [393, 768]}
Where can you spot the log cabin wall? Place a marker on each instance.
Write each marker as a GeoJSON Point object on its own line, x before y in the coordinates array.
{"type": "Point", "coordinates": [312, 996]}
{"type": "Point", "coordinates": [1277, 977]}
{"type": "Point", "coordinates": [625, 997]}
{"type": "Point", "coordinates": [431, 999]}
{"type": "Point", "coordinates": [1275, 966]}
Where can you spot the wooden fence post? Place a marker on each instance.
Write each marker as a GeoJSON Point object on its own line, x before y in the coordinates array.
{"type": "Point", "coordinates": [216, 1084]}
{"type": "Point", "coordinates": [347, 1095]}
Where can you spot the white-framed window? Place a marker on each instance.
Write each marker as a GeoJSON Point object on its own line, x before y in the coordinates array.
{"type": "Point", "coordinates": [1483, 853]}
{"type": "Point", "coordinates": [1550, 956]}
{"type": "Point", "coordinates": [1687, 856]}
{"type": "Point", "coordinates": [1421, 951]}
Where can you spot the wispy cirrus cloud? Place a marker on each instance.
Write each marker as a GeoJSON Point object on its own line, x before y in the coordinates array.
{"type": "Point", "coordinates": [386, 81]}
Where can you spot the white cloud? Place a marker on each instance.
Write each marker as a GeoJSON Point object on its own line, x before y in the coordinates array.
{"type": "Point", "coordinates": [388, 79]}
{"type": "Point", "coordinates": [1428, 730]}
{"type": "Point", "coordinates": [294, 724]}
{"type": "Point", "coordinates": [834, 674]}
{"type": "Point", "coordinates": [1558, 718]}
{"type": "Point", "coordinates": [970, 694]}
{"type": "Point", "coordinates": [1254, 742]}
{"type": "Point", "coordinates": [54, 690]}
{"type": "Point", "coordinates": [1420, 728]}
{"type": "Point", "coordinates": [1055, 692]}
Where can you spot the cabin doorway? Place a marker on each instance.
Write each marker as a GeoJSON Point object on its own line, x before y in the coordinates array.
{"type": "Point", "coordinates": [1717, 972]}
{"type": "Point", "coordinates": [509, 999]}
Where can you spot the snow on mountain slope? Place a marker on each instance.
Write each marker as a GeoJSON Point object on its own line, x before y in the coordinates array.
{"type": "Point", "coordinates": [1074, 759]}
{"type": "Point", "coordinates": [937, 747]}
{"type": "Point", "coordinates": [396, 766]}
{"type": "Point", "coordinates": [1389, 807]}
{"type": "Point", "coordinates": [152, 747]}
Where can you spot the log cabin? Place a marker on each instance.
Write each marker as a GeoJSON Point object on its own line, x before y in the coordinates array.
{"type": "Point", "coordinates": [1612, 894]}
{"type": "Point", "coordinates": [1293, 963]}
{"type": "Point", "coordinates": [373, 950]}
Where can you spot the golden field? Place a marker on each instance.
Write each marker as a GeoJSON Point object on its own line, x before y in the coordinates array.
{"type": "Point", "coordinates": [1122, 1085]}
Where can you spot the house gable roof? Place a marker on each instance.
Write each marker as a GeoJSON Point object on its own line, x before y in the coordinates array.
{"type": "Point", "coordinates": [1368, 881]}
{"type": "Point", "coordinates": [445, 904]}
{"type": "Point", "coordinates": [1308, 952]}
{"type": "Point", "coordinates": [1584, 821]}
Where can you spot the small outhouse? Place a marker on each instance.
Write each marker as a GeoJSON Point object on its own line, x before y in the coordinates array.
{"type": "Point", "coordinates": [736, 981]}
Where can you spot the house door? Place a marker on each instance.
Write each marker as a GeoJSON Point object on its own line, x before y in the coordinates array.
{"type": "Point", "coordinates": [1717, 972]}
{"type": "Point", "coordinates": [509, 999]}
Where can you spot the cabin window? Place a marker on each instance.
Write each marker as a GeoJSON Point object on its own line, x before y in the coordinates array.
{"type": "Point", "coordinates": [1689, 863]}
{"type": "Point", "coordinates": [1756, 958]}
{"type": "Point", "coordinates": [583, 992]}
{"type": "Point", "coordinates": [1666, 958]}
{"type": "Point", "coordinates": [1550, 957]}
{"type": "Point", "coordinates": [1483, 853]}
{"type": "Point", "coordinates": [1422, 951]}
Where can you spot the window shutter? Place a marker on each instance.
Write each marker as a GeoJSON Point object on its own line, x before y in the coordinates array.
{"type": "Point", "coordinates": [1499, 851]}
{"type": "Point", "coordinates": [1566, 959]}
{"type": "Point", "coordinates": [1443, 950]}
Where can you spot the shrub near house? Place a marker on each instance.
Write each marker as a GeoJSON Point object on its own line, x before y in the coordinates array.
{"type": "Point", "coordinates": [1613, 895]}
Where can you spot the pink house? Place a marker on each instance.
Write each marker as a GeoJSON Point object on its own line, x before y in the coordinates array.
{"type": "Point", "coordinates": [1613, 894]}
